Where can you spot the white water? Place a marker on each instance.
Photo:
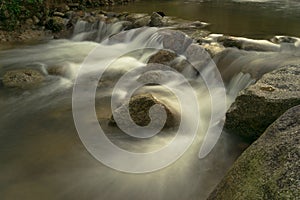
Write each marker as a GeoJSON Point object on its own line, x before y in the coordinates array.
{"type": "Point", "coordinates": [42, 154]}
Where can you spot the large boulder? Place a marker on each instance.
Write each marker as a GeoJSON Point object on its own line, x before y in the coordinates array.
{"type": "Point", "coordinates": [259, 105]}
{"type": "Point", "coordinates": [270, 167]}
{"type": "Point", "coordinates": [22, 78]}
{"type": "Point", "coordinates": [139, 107]}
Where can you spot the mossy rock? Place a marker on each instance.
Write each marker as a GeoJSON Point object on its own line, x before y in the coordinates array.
{"type": "Point", "coordinates": [22, 78]}
{"type": "Point", "coordinates": [261, 104]}
{"type": "Point", "coordinates": [270, 167]}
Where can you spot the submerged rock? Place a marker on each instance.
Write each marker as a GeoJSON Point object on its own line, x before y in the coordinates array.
{"type": "Point", "coordinates": [139, 107]}
{"type": "Point", "coordinates": [22, 78]}
{"type": "Point", "coordinates": [261, 104]}
{"type": "Point", "coordinates": [270, 167]}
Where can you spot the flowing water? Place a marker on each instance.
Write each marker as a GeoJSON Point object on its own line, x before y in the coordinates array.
{"type": "Point", "coordinates": [42, 155]}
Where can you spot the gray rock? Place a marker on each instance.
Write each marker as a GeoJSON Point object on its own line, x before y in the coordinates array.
{"type": "Point", "coordinates": [22, 78]}
{"type": "Point", "coordinates": [174, 40]}
{"type": "Point", "coordinates": [261, 104]}
{"type": "Point", "coordinates": [270, 167]}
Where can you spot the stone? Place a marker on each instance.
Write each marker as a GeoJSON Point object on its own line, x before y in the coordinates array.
{"type": "Point", "coordinates": [22, 78]}
{"type": "Point", "coordinates": [144, 21]}
{"type": "Point", "coordinates": [135, 16]}
{"type": "Point", "coordinates": [55, 24]}
{"type": "Point", "coordinates": [139, 107]}
{"type": "Point", "coordinates": [284, 39]}
{"type": "Point", "coordinates": [35, 20]}
{"type": "Point", "coordinates": [176, 41]}
{"type": "Point", "coordinates": [58, 14]}
{"type": "Point", "coordinates": [248, 44]}
{"type": "Point", "coordinates": [213, 48]}
{"type": "Point", "coordinates": [156, 20]}
{"type": "Point", "coordinates": [162, 57]}
{"type": "Point", "coordinates": [259, 105]}
{"type": "Point", "coordinates": [270, 167]}
{"type": "Point", "coordinates": [56, 70]}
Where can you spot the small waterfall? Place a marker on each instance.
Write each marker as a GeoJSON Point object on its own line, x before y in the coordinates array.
{"type": "Point", "coordinates": [232, 61]}
{"type": "Point", "coordinates": [97, 31]}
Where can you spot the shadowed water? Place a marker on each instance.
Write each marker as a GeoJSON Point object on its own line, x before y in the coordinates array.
{"type": "Point", "coordinates": [247, 18]}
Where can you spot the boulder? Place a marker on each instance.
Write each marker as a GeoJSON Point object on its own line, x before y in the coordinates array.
{"type": "Point", "coordinates": [248, 44]}
{"type": "Point", "coordinates": [270, 167]}
{"type": "Point", "coordinates": [261, 104]}
{"type": "Point", "coordinates": [22, 78]}
{"type": "Point", "coordinates": [144, 21]}
{"type": "Point", "coordinates": [156, 20]}
{"type": "Point", "coordinates": [139, 107]}
{"type": "Point", "coordinates": [163, 57]}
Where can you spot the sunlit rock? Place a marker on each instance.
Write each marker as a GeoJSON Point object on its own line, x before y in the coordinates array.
{"type": "Point", "coordinates": [213, 48]}
{"type": "Point", "coordinates": [261, 104]}
{"type": "Point", "coordinates": [270, 167]}
{"type": "Point", "coordinates": [248, 44]}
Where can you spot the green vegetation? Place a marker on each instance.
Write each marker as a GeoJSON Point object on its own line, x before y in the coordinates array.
{"type": "Point", "coordinates": [12, 12]}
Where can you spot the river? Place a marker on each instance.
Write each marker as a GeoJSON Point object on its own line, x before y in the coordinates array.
{"type": "Point", "coordinates": [259, 19]}
{"type": "Point", "coordinates": [41, 154]}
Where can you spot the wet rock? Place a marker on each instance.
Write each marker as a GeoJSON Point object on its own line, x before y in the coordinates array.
{"type": "Point", "coordinates": [135, 16]}
{"type": "Point", "coordinates": [139, 107]}
{"type": "Point", "coordinates": [284, 39]}
{"type": "Point", "coordinates": [55, 24]}
{"type": "Point", "coordinates": [175, 41]}
{"type": "Point", "coordinates": [163, 57]}
{"type": "Point", "coordinates": [144, 21]}
{"type": "Point", "coordinates": [199, 35]}
{"type": "Point", "coordinates": [248, 44]}
{"type": "Point", "coordinates": [156, 20]}
{"type": "Point", "coordinates": [213, 48]}
{"type": "Point", "coordinates": [270, 167]}
{"type": "Point", "coordinates": [22, 78]}
{"type": "Point", "coordinates": [56, 70]}
{"type": "Point", "coordinates": [261, 104]}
